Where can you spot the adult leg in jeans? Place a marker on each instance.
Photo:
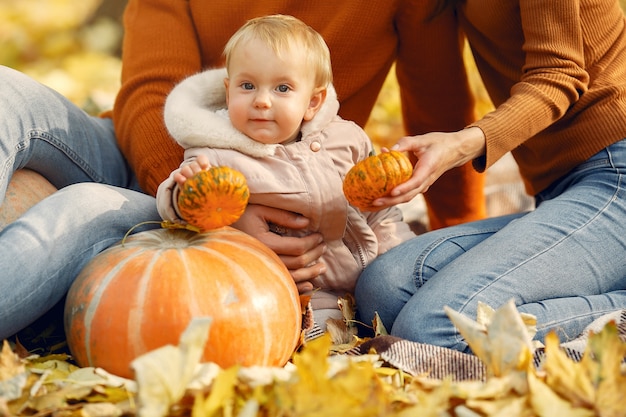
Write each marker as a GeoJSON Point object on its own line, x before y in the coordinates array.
{"type": "Point", "coordinates": [45, 249]}
{"type": "Point", "coordinates": [45, 132]}
{"type": "Point", "coordinates": [562, 262]}
{"type": "Point", "coordinates": [42, 252]}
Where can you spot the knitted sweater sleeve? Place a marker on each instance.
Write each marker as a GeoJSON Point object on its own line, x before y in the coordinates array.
{"type": "Point", "coordinates": [553, 77]}
{"type": "Point", "coordinates": [160, 48]}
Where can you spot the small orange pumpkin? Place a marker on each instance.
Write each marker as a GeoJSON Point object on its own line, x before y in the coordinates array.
{"type": "Point", "coordinates": [213, 198]}
{"type": "Point", "coordinates": [375, 177]}
{"type": "Point", "coordinates": [140, 295]}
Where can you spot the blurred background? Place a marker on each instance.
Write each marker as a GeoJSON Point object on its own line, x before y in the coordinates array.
{"type": "Point", "coordinates": [72, 46]}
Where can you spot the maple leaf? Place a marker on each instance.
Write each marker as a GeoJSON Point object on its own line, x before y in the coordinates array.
{"type": "Point", "coordinates": [546, 402]}
{"type": "Point", "coordinates": [501, 340]}
{"type": "Point", "coordinates": [596, 382]}
{"type": "Point", "coordinates": [609, 351]}
{"type": "Point", "coordinates": [566, 377]}
{"type": "Point", "coordinates": [379, 327]}
{"type": "Point", "coordinates": [163, 374]}
{"type": "Point", "coordinates": [13, 375]}
{"type": "Point", "coordinates": [343, 331]}
{"type": "Point", "coordinates": [431, 399]}
{"type": "Point", "coordinates": [343, 336]}
{"type": "Point", "coordinates": [222, 396]}
{"type": "Point", "coordinates": [353, 389]}
{"type": "Point", "coordinates": [52, 368]}
{"type": "Point", "coordinates": [10, 363]}
{"type": "Point", "coordinates": [510, 406]}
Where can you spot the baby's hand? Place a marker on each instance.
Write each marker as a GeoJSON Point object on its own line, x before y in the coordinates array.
{"type": "Point", "coordinates": [201, 163]}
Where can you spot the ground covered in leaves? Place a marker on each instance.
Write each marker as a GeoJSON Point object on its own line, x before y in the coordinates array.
{"type": "Point", "coordinates": [318, 381]}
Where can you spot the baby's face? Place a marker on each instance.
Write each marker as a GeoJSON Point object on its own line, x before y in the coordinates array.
{"type": "Point", "coordinates": [269, 96]}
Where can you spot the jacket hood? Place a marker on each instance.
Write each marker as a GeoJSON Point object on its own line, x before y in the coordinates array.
{"type": "Point", "coordinates": [196, 115]}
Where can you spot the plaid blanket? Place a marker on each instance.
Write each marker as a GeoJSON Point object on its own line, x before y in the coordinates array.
{"type": "Point", "coordinates": [438, 362]}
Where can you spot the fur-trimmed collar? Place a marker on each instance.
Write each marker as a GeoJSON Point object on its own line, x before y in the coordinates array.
{"type": "Point", "coordinates": [195, 115]}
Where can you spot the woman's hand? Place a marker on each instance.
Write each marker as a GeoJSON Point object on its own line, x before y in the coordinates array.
{"type": "Point", "coordinates": [436, 153]}
{"type": "Point", "coordinates": [299, 254]}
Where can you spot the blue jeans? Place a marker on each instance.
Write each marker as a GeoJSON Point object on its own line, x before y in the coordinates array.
{"type": "Point", "coordinates": [42, 252]}
{"type": "Point", "coordinates": [564, 262]}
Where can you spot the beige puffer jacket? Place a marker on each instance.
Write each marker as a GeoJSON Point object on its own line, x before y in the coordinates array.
{"type": "Point", "coordinates": [303, 177]}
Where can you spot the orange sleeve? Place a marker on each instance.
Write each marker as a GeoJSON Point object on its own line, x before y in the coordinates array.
{"type": "Point", "coordinates": [159, 49]}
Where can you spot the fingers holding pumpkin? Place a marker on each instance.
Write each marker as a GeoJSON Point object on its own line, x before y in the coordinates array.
{"type": "Point", "coordinates": [434, 154]}
{"type": "Point", "coordinates": [191, 168]}
{"type": "Point", "coordinates": [375, 177]}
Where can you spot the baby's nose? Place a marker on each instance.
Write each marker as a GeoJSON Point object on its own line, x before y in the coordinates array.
{"type": "Point", "coordinates": [262, 100]}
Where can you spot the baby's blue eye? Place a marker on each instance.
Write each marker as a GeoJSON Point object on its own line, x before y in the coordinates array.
{"type": "Point", "coordinates": [283, 88]}
{"type": "Point", "coordinates": [247, 86]}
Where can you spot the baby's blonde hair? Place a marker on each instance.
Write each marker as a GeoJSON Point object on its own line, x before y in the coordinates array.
{"type": "Point", "coordinates": [281, 32]}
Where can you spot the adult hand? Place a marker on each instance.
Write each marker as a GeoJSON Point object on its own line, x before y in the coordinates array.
{"type": "Point", "coordinates": [299, 254]}
{"type": "Point", "coordinates": [436, 153]}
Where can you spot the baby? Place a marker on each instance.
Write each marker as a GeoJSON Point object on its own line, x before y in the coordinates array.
{"type": "Point", "coordinates": [272, 114]}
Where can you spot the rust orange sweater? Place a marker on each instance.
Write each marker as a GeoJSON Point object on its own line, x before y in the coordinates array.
{"type": "Point", "coordinates": [168, 40]}
{"type": "Point", "coordinates": [556, 70]}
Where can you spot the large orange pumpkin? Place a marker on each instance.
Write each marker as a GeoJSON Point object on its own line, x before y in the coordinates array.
{"type": "Point", "coordinates": [141, 294]}
{"type": "Point", "coordinates": [375, 177]}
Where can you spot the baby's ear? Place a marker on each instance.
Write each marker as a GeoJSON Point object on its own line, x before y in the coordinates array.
{"type": "Point", "coordinates": [315, 104]}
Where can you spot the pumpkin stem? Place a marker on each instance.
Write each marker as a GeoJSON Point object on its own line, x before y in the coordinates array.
{"type": "Point", "coordinates": [136, 226]}
{"type": "Point", "coordinates": [165, 224]}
